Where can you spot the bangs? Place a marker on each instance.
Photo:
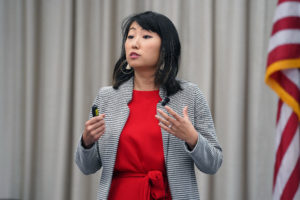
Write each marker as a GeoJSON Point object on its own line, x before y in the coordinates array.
{"type": "Point", "coordinates": [149, 24]}
{"type": "Point", "coordinates": [146, 22]}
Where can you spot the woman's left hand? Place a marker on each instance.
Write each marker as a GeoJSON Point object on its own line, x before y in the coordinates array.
{"type": "Point", "coordinates": [181, 127]}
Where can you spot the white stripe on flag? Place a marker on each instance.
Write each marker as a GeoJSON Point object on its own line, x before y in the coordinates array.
{"type": "Point", "coordinates": [293, 75]}
{"type": "Point", "coordinates": [287, 9]}
{"type": "Point", "coordinates": [297, 195]}
{"type": "Point", "coordinates": [285, 114]}
{"type": "Point", "coordinates": [288, 36]}
{"type": "Point", "coordinates": [288, 164]}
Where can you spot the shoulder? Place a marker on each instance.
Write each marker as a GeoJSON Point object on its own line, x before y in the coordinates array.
{"type": "Point", "coordinates": [104, 97]}
{"type": "Point", "coordinates": [105, 93]}
{"type": "Point", "coordinates": [187, 84]}
{"type": "Point", "coordinates": [110, 93]}
{"type": "Point", "coordinates": [189, 88]}
{"type": "Point", "coordinates": [106, 90]}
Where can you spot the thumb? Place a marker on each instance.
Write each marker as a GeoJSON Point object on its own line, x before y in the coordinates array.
{"type": "Point", "coordinates": [185, 112]}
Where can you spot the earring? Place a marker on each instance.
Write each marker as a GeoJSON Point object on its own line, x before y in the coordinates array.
{"type": "Point", "coordinates": [128, 67]}
{"type": "Point", "coordinates": [162, 67]}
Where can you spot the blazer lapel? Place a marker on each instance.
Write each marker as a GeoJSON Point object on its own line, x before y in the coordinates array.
{"type": "Point", "coordinates": [119, 112]}
{"type": "Point", "coordinates": [165, 134]}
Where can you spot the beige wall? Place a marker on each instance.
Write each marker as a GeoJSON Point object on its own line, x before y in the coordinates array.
{"type": "Point", "coordinates": [55, 54]}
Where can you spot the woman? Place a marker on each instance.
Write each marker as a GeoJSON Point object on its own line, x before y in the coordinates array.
{"type": "Point", "coordinates": [152, 128]}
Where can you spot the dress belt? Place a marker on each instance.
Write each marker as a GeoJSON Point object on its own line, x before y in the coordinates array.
{"type": "Point", "coordinates": [154, 185]}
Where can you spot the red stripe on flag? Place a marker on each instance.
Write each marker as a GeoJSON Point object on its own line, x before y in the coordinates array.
{"type": "Point", "coordinates": [287, 85]}
{"type": "Point", "coordinates": [286, 51]}
{"type": "Point", "coordinates": [282, 1]}
{"type": "Point", "coordinates": [280, 103]}
{"type": "Point", "coordinates": [286, 23]}
{"type": "Point", "coordinates": [292, 185]}
{"type": "Point", "coordinates": [286, 138]}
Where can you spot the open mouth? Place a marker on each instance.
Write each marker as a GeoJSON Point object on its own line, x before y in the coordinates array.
{"type": "Point", "coordinates": [134, 55]}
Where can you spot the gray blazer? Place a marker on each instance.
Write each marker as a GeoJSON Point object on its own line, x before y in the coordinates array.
{"type": "Point", "coordinates": [179, 160]}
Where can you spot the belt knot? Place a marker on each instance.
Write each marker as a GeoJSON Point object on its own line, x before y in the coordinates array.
{"type": "Point", "coordinates": [156, 185]}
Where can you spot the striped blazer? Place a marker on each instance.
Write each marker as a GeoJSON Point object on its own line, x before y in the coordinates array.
{"type": "Point", "coordinates": [179, 160]}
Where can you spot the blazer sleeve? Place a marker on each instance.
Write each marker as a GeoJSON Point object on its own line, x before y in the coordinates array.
{"type": "Point", "coordinates": [207, 154]}
{"type": "Point", "coordinates": [88, 160]}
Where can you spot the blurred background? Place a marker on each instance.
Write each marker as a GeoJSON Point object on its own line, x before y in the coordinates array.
{"type": "Point", "coordinates": [56, 54]}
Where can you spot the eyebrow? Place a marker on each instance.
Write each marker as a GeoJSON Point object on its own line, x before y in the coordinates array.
{"type": "Point", "coordinates": [132, 28]}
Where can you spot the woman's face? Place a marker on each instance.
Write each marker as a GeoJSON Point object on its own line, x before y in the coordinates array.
{"type": "Point", "coordinates": [142, 47]}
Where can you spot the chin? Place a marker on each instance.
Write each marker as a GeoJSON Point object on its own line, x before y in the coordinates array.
{"type": "Point", "coordinates": [135, 65]}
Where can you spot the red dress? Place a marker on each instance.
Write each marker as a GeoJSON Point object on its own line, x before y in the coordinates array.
{"type": "Point", "coordinates": [139, 171]}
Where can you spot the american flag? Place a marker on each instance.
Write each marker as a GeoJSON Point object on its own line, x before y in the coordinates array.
{"type": "Point", "coordinates": [283, 76]}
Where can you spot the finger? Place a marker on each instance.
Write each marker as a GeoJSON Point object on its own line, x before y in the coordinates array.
{"type": "Point", "coordinates": [166, 116]}
{"type": "Point", "coordinates": [98, 118]}
{"type": "Point", "coordinates": [185, 112]}
{"type": "Point", "coordinates": [173, 113]}
{"type": "Point", "coordinates": [162, 120]}
{"type": "Point", "coordinates": [166, 128]}
{"type": "Point", "coordinates": [90, 128]}
{"type": "Point", "coordinates": [97, 125]}
{"type": "Point", "coordinates": [101, 132]}
{"type": "Point", "coordinates": [98, 131]}
{"type": "Point", "coordinates": [97, 137]}
{"type": "Point", "coordinates": [94, 120]}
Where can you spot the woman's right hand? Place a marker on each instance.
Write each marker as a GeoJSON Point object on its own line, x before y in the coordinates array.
{"type": "Point", "coordinates": [94, 129]}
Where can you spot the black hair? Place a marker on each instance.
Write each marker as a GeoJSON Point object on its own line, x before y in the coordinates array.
{"type": "Point", "coordinates": [169, 52]}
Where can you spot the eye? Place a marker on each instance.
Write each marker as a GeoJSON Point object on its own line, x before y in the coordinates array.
{"type": "Point", "coordinates": [147, 36]}
{"type": "Point", "coordinates": [129, 36]}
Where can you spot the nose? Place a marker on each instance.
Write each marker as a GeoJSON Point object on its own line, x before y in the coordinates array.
{"type": "Point", "coordinates": [135, 43]}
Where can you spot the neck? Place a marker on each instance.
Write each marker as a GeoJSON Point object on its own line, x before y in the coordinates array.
{"type": "Point", "coordinates": [144, 81]}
